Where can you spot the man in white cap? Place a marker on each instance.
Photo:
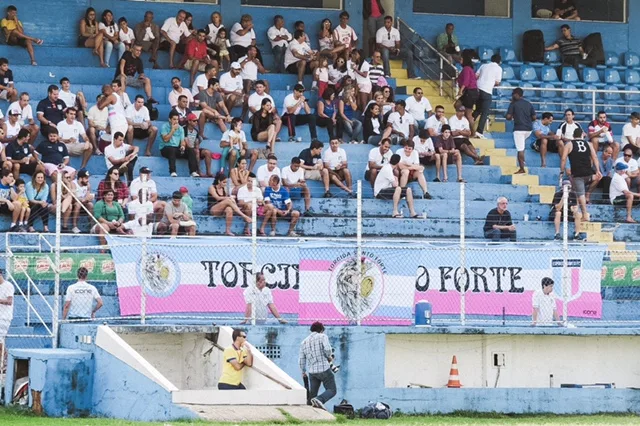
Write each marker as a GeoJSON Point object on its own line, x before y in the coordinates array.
{"type": "Point", "coordinates": [232, 86]}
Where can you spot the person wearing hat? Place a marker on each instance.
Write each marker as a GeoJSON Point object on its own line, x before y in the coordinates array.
{"type": "Point", "coordinates": [545, 308]}
{"type": "Point", "coordinates": [178, 217]}
{"type": "Point", "coordinates": [140, 125]}
{"type": "Point", "coordinates": [232, 87]}
{"type": "Point", "coordinates": [80, 297]}
{"type": "Point", "coordinates": [71, 131]}
{"type": "Point", "coordinates": [186, 197]}
{"type": "Point", "coordinates": [557, 211]}
{"type": "Point", "coordinates": [83, 197]}
{"type": "Point", "coordinates": [619, 193]}
{"type": "Point", "coordinates": [461, 131]}
{"type": "Point", "coordinates": [11, 127]}
{"type": "Point", "coordinates": [19, 154]}
{"type": "Point", "coordinates": [297, 111]}
{"type": "Point", "coordinates": [144, 181]}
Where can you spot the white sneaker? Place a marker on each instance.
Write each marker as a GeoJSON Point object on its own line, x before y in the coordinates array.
{"type": "Point", "coordinates": [174, 174]}
{"type": "Point", "coordinates": [480, 135]}
{"type": "Point", "coordinates": [75, 230]}
{"type": "Point", "coordinates": [315, 402]}
{"type": "Point", "coordinates": [292, 234]}
{"type": "Point", "coordinates": [195, 174]}
{"type": "Point", "coordinates": [272, 233]}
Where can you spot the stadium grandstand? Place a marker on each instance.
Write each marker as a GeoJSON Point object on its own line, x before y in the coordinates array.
{"type": "Point", "coordinates": [457, 177]}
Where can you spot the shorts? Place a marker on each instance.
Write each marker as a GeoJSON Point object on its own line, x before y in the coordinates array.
{"type": "Point", "coordinates": [387, 193]}
{"type": "Point", "coordinates": [365, 87]}
{"type": "Point", "coordinates": [50, 169]}
{"type": "Point", "coordinates": [133, 81]}
{"type": "Point", "coordinates": [227, 150]}
{"type": "Point", "coordinates": [188, 64]}
{"type": "Point", "coordinates": [4, 329]}
{"type": "Point", "coordinates": [312, 175]}
{"type": "Point", "coordinates": [15, 41]}
{"type": "Point", "coordinates": [338, 173]}
{"type": "Point", "coordinates": [552, 145]}
{"type": "Point", "coordinates": [4, 209]}
{"type": "Point", "coordinates": [139, 133]}
{"type": "Point", "coordinates": [295, 193]}
{"type": "Point", "coordinates": [634, 149]}
{"type": "Point", "coordinates": [426, 161]}
{"type": "Point", "coordinates": [580, 185]}
{"type": "Point", "coordinates": [293, 68]}
{"type": "Point", "coordinates": [248, 85]}
{"type": "Point", "coordinates": [82, 40]}
{"type": "Point", "coordinates": [552, 215]}
{"type": "Point", "coordinates": [28, 169]}
{"type": "Point", "coordinates": [77, 148]}
{"type": "Point", "coordinates": [461, 141]}
{"type": "Point", "coordinates": [239, 99]}
{"type": "Point", "coordinates": [621, 200]}
{"type": "Point", "coordinates": [3, 95]}
{"type": "Point", "coordinates": [469, 98]}
{"type": "Point", "coordinates": [520, 138]}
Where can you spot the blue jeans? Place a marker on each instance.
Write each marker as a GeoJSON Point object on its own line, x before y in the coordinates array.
{"type": "Point", "coordinates": [108, 48]}
{"type": "Point", "coordinates": [497, 235]}
{"type": "Point", "coordinates": [483, 105]}
{"type": "Point", "coordinates": [353, 129]}
{"type": "Point", "coordinates": [328, 380]}
{"type": "Point", "coordinates": [278, 59]}
{"type": "Point", "coordinates": [404, 54]}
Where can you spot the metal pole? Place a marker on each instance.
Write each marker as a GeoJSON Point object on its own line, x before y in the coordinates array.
{"type": "Point", "coordinates": [565, 252]}
{"type": "Point", "coordinates": [593, 104]}
{"type": "Point", "coordinates": [441, 77]}
{"type": "Point", "coordinates": [56, 287]}
{"type": "Point", "coordinates": [254, 250]}
{"type": "Point", "coordinates": [143, 254]}
{"type": "Point", "coordinates": [359, 240]}
{"type": "Point", "coordinates": [462, 253]}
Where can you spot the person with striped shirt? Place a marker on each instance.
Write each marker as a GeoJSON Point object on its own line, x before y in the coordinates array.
{"type": "Point", "coordinates": [570, 48]}
{"type": "Point", "coordinates": [376, 69]}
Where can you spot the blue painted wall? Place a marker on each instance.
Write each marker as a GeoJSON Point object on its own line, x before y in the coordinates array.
{"type": "Point", "coordinates": [475, 31]}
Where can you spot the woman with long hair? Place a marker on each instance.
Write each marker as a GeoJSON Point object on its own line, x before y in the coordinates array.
{"type": "Point", "coordinates": [326, 112]}
{"type": "Point", "coordinates": [112, 181]}
{"type": "Point", "coordinates": [220, 203]}
{"type": "Point", "coordinates": [263, 127]}
{"type": "Point", "coordinates": [239, 175]}
{"type": "Point", "coordinates": [372, 124]}
{"type": "Point", "coordinates": [328, 44]}
{"type": "Point", "coordinates": [360, 68]}
{"type": "Point", "coordinates": [38, 193]}
{"type": "Point", "coordinates": [468, 83]}
{"type": "Point", "coordinates": [90, 36]}
{"type": "Point", "coordinates": [109, 30]}
{"type": "Point", "coordinates": [347, 107]}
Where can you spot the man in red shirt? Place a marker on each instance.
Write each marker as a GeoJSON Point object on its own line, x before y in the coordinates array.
{"type": "Point", "coordinates": [600, 133]}
{"type": "Point", "coordinates": [195, 57]}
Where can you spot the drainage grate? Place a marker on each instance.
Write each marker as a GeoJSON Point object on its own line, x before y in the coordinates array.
{"type": "Point", "coordinates": [270, 351]}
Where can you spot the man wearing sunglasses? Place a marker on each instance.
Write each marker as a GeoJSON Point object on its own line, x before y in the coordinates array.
{"type": "Point", "coordinates": [236, 357]}
{"type": "Point", "coordinates": [389, 44]}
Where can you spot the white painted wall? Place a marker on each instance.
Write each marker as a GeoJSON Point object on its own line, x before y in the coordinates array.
{"type": "Point", "coordinates": [426, 359]}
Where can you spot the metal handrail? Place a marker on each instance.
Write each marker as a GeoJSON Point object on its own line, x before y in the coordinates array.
{"type": "Point", "coordinates": [443, 61]}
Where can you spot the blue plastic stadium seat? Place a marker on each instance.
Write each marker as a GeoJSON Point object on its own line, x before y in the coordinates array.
{"type": "Point", "coordinates": [548, 94]}
{"type": "Point", "coordinates": [552, 57]}
{"type": "Point", "coordinates": [509, 56]}
{"type": "Point", "coordinates": [508, 75]}
{"type": "Point", "coordinates": [612, 77]}
{"type": "Point", "coordinates": [631, 77]}
{"type": "Point", "coordinates": [632, 97]}
{"type": "Point", "coordinates": [613, 104]}
{"type": "Point", "coordinates": [529, 91]}
{"type": "Point", "coordinates": [631, 60]}
{"type": "Point", "coordinates": [611, 60]}
{"type": "Point", "coordinates": [570, 94]}
{"type": "Point", "coordinates": [485, 53]}
{"type": "Point", "coordinates": [528, 73]}
{"type": "Point", "coordinates": [569, 75]}
{"type": "Point", "coordinates": [591, 76]}
{"type": "Point", "coordinates": [549, 75]}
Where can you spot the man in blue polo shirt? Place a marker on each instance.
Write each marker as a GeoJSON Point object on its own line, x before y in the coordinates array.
{"type": "Point", "coordinates": [50, 110]}
{"type": "Point", "coordinates": [54, 155]}
{"type": "Point", "coordinates": [278, 204]}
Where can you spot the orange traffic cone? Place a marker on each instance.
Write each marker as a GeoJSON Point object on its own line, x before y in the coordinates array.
{"type": "Point", "coordinates": [454, 380]}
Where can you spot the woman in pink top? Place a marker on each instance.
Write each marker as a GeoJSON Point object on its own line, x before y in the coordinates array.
{"type": "Point", "coordinates": [468, 94]}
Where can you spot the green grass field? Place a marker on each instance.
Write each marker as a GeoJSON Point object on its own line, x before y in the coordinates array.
{"type": "Point", "coordinates": [15, 417]}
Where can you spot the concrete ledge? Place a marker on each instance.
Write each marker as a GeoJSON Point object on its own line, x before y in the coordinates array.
{"type": "Point", "coordinates": [253, 413]}
{"type": "Point", "coordinates": [561, 331]}
{"type": "Point", "coordinates": [259, 397]}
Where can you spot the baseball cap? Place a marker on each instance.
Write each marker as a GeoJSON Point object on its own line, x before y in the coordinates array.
{"type": "Point", "coordinates": [15, 112]}
{"type": "Point", "coordinates": [177, 195]}
{"type": "Point", "coordinates": [144, 170]}
{"type": "Point", "coordinates": [621, 166]}
{"type": "Point", "coordinates": [461, 108]}
{"type": "Point", "coordinates": [298, 88]}
{"type": "Point", "coordinates": [83, 173]}
{"type": "Point", "coordinates": [566, 182]}
{"type": "Point", "coordinates": [184, 190]}
{"type": "Point", "coordinates": [192, 117]}
{"type": "Point", "coordinates": [235, 66]}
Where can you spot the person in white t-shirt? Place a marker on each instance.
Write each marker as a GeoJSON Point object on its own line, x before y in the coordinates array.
{"type": "Point", "coordinates": [265, 171]}
{"type": "Point", "coordinates": [568, 126]}
{"type": "Point", "coordinates": [26, 115]}
{"type": "Point", "coordinates": [71, 99]}
{"type": "Point", "coordinates": [436, 121]}
{"type": "Point", "coordinates": [360, 69]}
{"type": "Point", "coordinates": [378, 157]}
{"type": "Point", "coordinates": [144, 181]}
{"type": "Point", "coordinates": [488, 76]}
{"type": "Point", "coordinates": [242, 36]}
{"type": "Point", "coordinates": [419, 107]}
{"type": "Point", "coordinates": [631, 134]}
{"type": "Point", "coordinates": [255, 102]}
{"type": "Point", "coordinates": [410, 168]}
{"type": "Point", "coordinates": [545, 310]}
{"type": "Point", "coordinates": [245, 196]}
{"type": "Point", "coordinates": [293, 180]}
{"type": "Point", "coordinates": [142, 216]}
{"type": "Point", "coordinates": [426, 150]}
{"type": "Point", "coordinates": [299, 58]}
{"type": "Point", "coordinates": [619, 193]}
{"type": "Point", "coordinates": [140, 126]}
{"type": "Point", "coordinates": [232, 87]}
{"type": "Point", "coordinates": [386, 187]}
{"type": "Point", "coordinates": [400, 124]}
{"type": "Point", "coordinates": [202, 81]}
{"type": "Point", "coordinates": [6, 310]}
{"type": "Point", "coordinates": [461, 132]}
{"type": "Point", "coordinates": [71, 131]}
{"type": "Point", "coordinates": [259, 299]}
{"type": "Point", "coordinates": [80, 297]}
{"type": "Point", "coordinates": [388, 42]}
{"type": "Point", "coordinates": [296, 111]}
{"type": "Point", "coordinates": [173, 31]}
{"type": "Point", "coordinates": [121, 155]}
{"type": "Point", "coordinates": [344, 34]}
{"type": "Point", "coordinates": [632, 174]}
{"type": "Point", "coordinates": [335, 160]}
{"type": "Point", "coordinates": [279, 37]}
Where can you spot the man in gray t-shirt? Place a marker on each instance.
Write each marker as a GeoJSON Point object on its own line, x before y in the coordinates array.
{"type": "Point", "coordinates": [177, 216]}
{"type": "Point", "coordinates": [212, 106]}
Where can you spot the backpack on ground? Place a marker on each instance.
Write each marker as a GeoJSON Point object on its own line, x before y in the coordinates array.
{"type": "Point", "coordinates": [376, 410]}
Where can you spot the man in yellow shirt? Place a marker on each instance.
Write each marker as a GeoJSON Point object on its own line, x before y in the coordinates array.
{"type": "Point", "coordinates": [14, 33]}
{"type": "Point", "coordinates": [235, 358]}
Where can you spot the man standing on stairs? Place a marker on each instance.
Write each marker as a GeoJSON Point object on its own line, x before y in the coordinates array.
{"type": "Point", "coordinates": [583, 161]}
{"type": "Point", "coordinates": [523, 115]}
{"type": "Point", "coordinates": [488, 76]}
{"type": "Point", "coordinates": [557, 211]}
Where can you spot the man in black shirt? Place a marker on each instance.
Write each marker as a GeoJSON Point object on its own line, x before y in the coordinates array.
{"type": "Point", "coordinates": [20, 155]}
{"type": "Point", "coordinates": [583, 162]}
{"type": "Point", "coordinates": [523, 115]}
{"type": "Point", "coordinates": [573, 215]}
{"type": "Point", "coordinates": [54, 155]}
{"type": "Point", "coordinates": [313, 167]}
{"type": "Point", "coordinates": [7, 89]}
{"type": "Point", "coordinates": [498, 226]}
{"type": "Point", "coordinates": [50, 110]}
{"type": "Point", "coordinates": [130, 64]}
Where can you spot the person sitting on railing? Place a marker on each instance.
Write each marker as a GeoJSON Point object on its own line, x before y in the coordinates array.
{"type": "Point", "coordinates": [447, 44]}
{"type": "Point", "coordinates": [541, 135]}
{"type": "Point", "coordinates": [570, 48]}
{"type": "Point", "coordinates": [600, 133]}
{"type": "Point", "coordinates": [389, 43]}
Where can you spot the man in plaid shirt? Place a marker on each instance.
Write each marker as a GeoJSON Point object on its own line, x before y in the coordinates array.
{"type": "Point", "coordinates": [316, 354]}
